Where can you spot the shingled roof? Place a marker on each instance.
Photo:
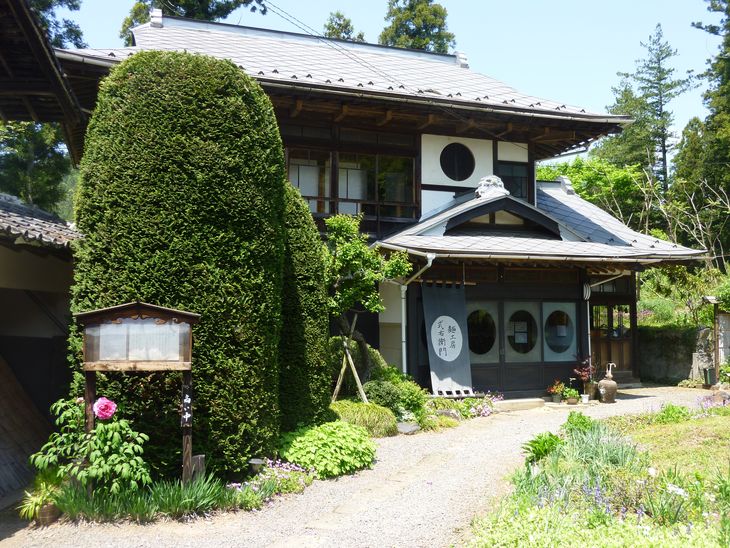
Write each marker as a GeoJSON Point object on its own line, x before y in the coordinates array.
{"type": "Point", "coordinates": [582, 232]}
{"type": "Point", "coordinates": [28, 225]}
{"type": "Point", "coordinates": [341, 70]}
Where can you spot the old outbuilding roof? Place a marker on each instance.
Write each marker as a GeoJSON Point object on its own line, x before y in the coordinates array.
{"type": "Point", "coordinates": [33, 87]}
{"type": "Point", "coordinates": [307, 65]}
{"type": "Point", "coordinates": [28, 225]}
{"type": "Point", "coordinates": [571, 229]}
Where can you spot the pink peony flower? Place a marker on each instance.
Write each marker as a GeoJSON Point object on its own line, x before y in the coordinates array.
{"type": "Point", "coordinates": [104, 408]}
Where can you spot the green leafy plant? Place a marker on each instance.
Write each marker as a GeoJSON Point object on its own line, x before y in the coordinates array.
{"type": "Point", "coordinates": [569, 393]}
{"type": "Point", "coordinates": [330, 449]}
{"type": "Point", "coordinates": [379, 421]}
{"type": "Point", "coordinates": [577, 422]}
{"type": "Point", "coordinates": [540, 446]}
{"type": "Point", "coordinates": [671, 413]}
{"type": "Point", "coordinates": [109, 457]}
{"type": "Point", "coordinates": [43, 492]}
{"type": "Point", "coordinates": [384, 393]}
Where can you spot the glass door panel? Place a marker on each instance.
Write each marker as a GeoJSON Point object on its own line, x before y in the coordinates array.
{"type": "Point", "coordinates": [522, 332]}
{"type": "Point", "coordinates": [560, 341]}
{"type": "Point", "coordinates": [482, 319]}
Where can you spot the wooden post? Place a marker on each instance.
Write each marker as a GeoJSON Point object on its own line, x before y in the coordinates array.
{"type": "Point", "coordinates": [186, 421]}
{"type": "Point", "coordinates": [716, 329]}
{"type": "Point", "coordinates": [89, 398]}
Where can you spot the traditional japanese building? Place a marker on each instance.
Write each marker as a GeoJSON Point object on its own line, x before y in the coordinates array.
{"type": "Point", "coordinates": [440, 161]}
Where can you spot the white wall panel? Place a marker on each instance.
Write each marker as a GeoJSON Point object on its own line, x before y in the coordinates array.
{"type": "Point", "coordinates": [431, 172]}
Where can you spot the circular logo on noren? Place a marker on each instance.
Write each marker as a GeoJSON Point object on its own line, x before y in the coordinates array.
{"type": "Point", "coordinates": [446, 338]}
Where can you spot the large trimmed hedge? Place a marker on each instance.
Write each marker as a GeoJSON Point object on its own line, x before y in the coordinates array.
{"type": "Point", "coordinates": [305, 380]}
{"type": "Point", "coordinates": [181, 203]}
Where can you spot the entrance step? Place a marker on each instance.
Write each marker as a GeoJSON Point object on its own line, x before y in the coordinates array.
{"type": "Point", "coordinates": [626, 379]}
{"type": "Point", "coordinates": [519, 404]}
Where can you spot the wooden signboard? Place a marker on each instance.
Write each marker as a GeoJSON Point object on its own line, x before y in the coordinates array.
{"type": "Point", "coordinates": [136, 337]}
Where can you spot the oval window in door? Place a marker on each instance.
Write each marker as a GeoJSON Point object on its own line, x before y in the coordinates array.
{"type": "Point", "coordinates": [482, 331]}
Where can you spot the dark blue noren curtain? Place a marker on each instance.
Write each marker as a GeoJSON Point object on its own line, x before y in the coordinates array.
{"type": "Point", "coordinates": [444, 309]}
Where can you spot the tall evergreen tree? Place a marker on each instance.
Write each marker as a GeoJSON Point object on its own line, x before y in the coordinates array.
{"type": "Point", "coordinates": [61, 33]}
{"type": "Point", "coordinates": [207, 10]}
{"type": "Point", "coordinates": [645, 95]}
{"type": "Point", "coordinates": [339, 26]}
{"type": "Point", "coordinates": [417, 24]}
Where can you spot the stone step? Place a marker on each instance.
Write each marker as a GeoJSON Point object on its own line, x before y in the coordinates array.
{"type": "Point", "coordinates": [519, 404]}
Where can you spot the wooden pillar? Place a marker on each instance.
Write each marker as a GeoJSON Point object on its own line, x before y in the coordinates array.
{"type": "Point", "coordinates": [716, 314]}
{"type": "Point", "coordinates": [186, 421]}
{"type": "Point", "coordinates": [89, 398]}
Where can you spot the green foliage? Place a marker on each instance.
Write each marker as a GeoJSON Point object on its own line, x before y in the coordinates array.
{"type": "Point", "coordinates": [374, 360]}
{"type": "Point", "coordinates": [181, 202]}
{"type": "Point", "coordinates": [616, 188]}
{"type": "Point", "coordinates": [570, 393]}
{"type": "Point", "coordinates": [44, 491]}
{"type": "Point", "coordinates": [384, 393]}
{"type": "Point", "coordinates": [577, 422]}
{"type": "Point", "coordinates": [204, 494]}
{"type": "Point", "coordinates": [417, 24]}
{"type": "Point", "coordinates": [331, 449]}
{"type": "Point", "coordinates": [339, 26]}
{"type": "Point", "coordinates": [725, 373]}
{"type": "Point", "coordinates": [540, 447]}
{"type": "Point", "coordinates": [63, 33]}
{"type": "Point", "coordinates": [33, 163]}
{"type": "Point", "coordinates": [355, 269]}
{"type": "Point", "coordinates": [109, 457]}
{"type": "Point", "coordinates": [304, 374]}
{"type": "Point", "coordinates": [379, 421]}
{"type": "Point", "coordinates": [207, 10]}
{"type": "Point", "coordinates": [672, 414]}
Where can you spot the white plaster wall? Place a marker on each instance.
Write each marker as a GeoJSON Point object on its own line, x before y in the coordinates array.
{"type": "Point", "coordinates": [512, 152]}
{"type": "Point", "coordinates": [433, 199]}
{"type": "Point", "coordinates": [23, 318]}
{"type": "Point", "coordinates": [20, 269]}
{"type": "Point", "coordinates": [431, 147]}
{"type": "Point", "coordinates": [390, 294]}
{"type": "Point", "coordinates": [390, 346]}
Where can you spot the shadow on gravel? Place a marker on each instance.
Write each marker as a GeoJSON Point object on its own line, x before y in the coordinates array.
{"type": "Point", "coordinates": [624, 396]}
{"type": "Point", "coordinates": [10, 522]}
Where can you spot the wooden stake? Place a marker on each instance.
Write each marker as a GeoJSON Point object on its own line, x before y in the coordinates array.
{"type": "Point", "coordinates": [187, 428]}
{"type": "Point", "coordinates": [89, 398]}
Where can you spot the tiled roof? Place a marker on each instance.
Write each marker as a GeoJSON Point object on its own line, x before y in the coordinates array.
{"type": "Point", "coordinates": [340, 66]}
{"type": "Point", "coordinates": [30, 225]}
{"type": "Point", "coordinates": [587, 233]}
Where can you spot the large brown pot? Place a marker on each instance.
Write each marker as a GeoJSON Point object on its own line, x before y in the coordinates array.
{"type": "Point", "coordinates": [48, 513]}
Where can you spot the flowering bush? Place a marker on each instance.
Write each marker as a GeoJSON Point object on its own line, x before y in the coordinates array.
{"type": "Point", "coordinates": [104, 408]}
{"type": "Point", "coordinates": [109, 457]}
{"type": "Point", "coordinates": [557, 387]}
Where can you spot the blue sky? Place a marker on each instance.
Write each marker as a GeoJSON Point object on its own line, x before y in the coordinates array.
{"type": "Point", "coordinates": [567, 50]}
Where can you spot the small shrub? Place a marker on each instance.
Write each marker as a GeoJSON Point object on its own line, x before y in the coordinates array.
{"type": "Point", "coordinates": [379, 421]}
{"type": "Point", "coordinates": [671, 414]}
{"type": "Point", "coordinates": [200, 496]}
{"type": "Point", "coordinates": [384, 393]}
{"type": "Point", "coordinates": [411, 397]}
{"type": "Point", "coordinates": [444, 421]}
{"type": "Point", "coordinates": [570, 393]}
{"type": "Point", "coordinates": [540, 447]}
{"type": "Point", "coordinates": [577, 422]}
{"type": "Point", "coordinates": [690, 383]}
{"type": "Point", "coordinates": [331, 449]}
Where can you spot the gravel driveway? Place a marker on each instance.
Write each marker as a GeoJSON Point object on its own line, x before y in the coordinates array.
{"type": "Point", "coordinates": [423, 491]}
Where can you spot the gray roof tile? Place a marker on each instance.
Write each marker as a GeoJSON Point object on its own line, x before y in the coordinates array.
{"type": "Point", "coordinates": [31, 225]}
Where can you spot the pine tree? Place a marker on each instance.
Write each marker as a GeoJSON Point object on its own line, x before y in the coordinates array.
{"type": "Point", "coordinates": [339, 26]}
{"type": "Point", "coordinates": [417, 24]}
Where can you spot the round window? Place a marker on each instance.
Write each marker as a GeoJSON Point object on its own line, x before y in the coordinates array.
{"type": "Point", "coordinates": [522, 331]}
{"type": "Point", "coordinates": [559, 331]}
{"type": "Point", "coordinates": [482, 331]}
{"type": "Point", "coordinates": [457, 161]}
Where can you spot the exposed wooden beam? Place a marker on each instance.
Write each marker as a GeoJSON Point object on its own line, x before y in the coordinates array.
{"type": "Point", "coordinates": [5, 66]}
{"type": "Point", "coordinates": [296, 109]}
{"type": "Point", "coordinates": [430, 120]}
{"type": "Point", "coordinates": [506, 131]}
{"type": "Point", "coordinates": [26, 86]}
{"type": "Point", "coordinates": [385, 119]}
{"type": "Point", "coordinates": [344, 109]}
{"type": "Point", "coordinates": [471, 124]}
{"type": "Point", "coordinates": [31, 110]}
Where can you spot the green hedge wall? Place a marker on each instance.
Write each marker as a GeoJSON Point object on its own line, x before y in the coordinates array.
{"type": "Point", "coordinates": [181, 202]}
{"type": "Point", "coordinates": [304, 381]}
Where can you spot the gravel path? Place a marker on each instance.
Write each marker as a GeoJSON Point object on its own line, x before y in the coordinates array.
{"type": "Point", "coordinates": [423, 491]}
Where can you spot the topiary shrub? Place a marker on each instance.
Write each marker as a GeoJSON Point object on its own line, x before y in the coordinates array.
{"type": "Point", "coordinates": [330, 449]}
{"type": "Point", "coordinates": [379, 421]}
{"type": "Point", "coordinates": [304, 377]}
{"type": "Point", "coordinates": [181, 202]}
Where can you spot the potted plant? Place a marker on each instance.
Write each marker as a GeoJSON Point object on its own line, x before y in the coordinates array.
{"type": "Point", "coordinates": [570, 395]}
{"type": "Point", "coordinates": [556, 390]}
{"type": "Point", "coordinates": [586, 374]}
{"type": "Point", "coordinates": [39, 504]}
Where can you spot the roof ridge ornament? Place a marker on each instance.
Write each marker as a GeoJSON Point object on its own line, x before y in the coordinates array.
{"type": "Point", "coordinates": [566, 184]}
{"type": "Point", "coordinates": [490, 185]}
